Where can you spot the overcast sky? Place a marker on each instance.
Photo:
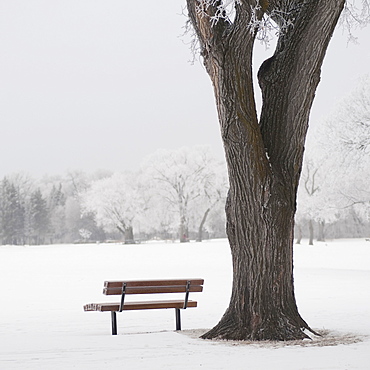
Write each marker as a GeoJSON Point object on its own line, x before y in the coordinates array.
{"type": "Point", "coordinates": [93, 84]}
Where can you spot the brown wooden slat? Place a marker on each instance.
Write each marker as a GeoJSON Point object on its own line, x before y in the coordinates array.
{"type": "Point", "coordinates": [152, 289]}
{"type": "Point", "coordinates": [137, 283]}
{"type": "Point", "coordinates": [146, 305]}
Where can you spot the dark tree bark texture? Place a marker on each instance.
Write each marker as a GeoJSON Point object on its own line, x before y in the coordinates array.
{"type": "Point", "coordinates": [264, 157]}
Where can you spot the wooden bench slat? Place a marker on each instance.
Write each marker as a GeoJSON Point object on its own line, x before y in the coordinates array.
{"type": "Point", "coordinates": [137, 283]}
{"type": "Point", "coordinates": [145, 305]}
{"type": "Point", "coordinates": [152, 289]}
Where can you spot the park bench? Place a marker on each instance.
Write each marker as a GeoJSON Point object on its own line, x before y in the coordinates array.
{"type": "Point", "coordinates": [123, 288]}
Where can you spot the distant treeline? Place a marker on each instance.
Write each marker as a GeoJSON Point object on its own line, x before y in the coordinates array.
{"type": "Point", "coordinates": [182, 199]}
{"type": "Point", "coordinates": [175, 195]}
{"type": "Point", "coordinates": [41, 212]}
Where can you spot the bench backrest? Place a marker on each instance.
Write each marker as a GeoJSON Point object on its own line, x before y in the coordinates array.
{"type": "Point", "coordinates": [153, 286]}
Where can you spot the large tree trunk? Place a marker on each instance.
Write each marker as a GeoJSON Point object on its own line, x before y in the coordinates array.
{"type": "Point", "coordinates": [264, 158]}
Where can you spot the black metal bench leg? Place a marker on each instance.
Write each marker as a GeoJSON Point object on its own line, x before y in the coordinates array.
{"type": "Point", "coordinates": [114, 322]}
{"type": "Point", "coordinates": [178, 319]}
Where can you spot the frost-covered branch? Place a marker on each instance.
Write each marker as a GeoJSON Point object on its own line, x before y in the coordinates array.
{"type": "Point", "coordinates": [268, 25]}
{"type": "Point", "coordinates": [267, 19]}
{"type": "Point", "coordinates": [354, 117]}
{"type": "Point", "coordinates": [216, 10]}
{"type": "Point", "coordinates": [356, 14]}
{"type": "Point", "coordinates": [309, 178]}
{"type": "Point", "coordinates": [181, 179]}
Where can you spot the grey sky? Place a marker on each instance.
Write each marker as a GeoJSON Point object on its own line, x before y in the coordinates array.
{"type": "Point", "coordinates": [91, 84]}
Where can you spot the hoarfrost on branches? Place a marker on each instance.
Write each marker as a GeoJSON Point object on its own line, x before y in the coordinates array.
{"type": "Point", "coordinates": [266, 27]}
{"type": "Point", "coordinates": [356, 14]}
{"type": "Point", "coordinates": [188, 183]}
{"type": "Point", "coordinates": [336, 172]}
{"type": "Point", "coordinates": [116, 201]}
{"type": "Point", "coordinates": [267, 24]}
{"type": "Point", "coordinates": [225, 9]}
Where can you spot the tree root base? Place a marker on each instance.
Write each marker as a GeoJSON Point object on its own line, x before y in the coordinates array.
{"type": "Point", "coordinates": [286, 332]}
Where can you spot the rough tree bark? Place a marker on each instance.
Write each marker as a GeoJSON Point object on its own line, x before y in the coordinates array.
{"type": "Point", "coordinates": [264, 157]}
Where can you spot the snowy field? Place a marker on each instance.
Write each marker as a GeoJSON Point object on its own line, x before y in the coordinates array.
{"type": "Point", "coordinates": [43, 325]}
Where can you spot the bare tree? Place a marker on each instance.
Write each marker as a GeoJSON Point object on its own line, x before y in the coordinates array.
{"type": "Point", "coordinates": [264, 156]}
{"type": "Point", "coordinates": [212, 193]}
{"type": "Point", "coordinates": [184, 179]}
{"type": "Point", "coordinates": [310, 188]}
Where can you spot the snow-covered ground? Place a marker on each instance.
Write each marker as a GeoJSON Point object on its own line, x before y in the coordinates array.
{"type": "Point", "coordinates": [43, 326]}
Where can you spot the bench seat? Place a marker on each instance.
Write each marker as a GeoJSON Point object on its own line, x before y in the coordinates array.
{"type": "Point", "coordinates": [144, 305]}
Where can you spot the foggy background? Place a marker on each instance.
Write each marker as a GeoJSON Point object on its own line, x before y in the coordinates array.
{"type": "Point", "coordinates": [101, 84]}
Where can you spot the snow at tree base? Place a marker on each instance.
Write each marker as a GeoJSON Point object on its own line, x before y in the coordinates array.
{"type": "Point", "coordinates": [43, 325]}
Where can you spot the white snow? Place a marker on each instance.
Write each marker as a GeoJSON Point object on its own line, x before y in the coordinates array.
{"type": "Point", "coordinates": [43, 326]}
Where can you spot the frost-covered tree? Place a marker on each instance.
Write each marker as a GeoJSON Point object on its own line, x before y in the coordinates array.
{"type": "Point", "coordinates": [56, 202]}
{"type": "Point", "coordinates": [39, 217]}
{"type": "Point", "coordinates": [336, 172]}
{"type": "Point", "coordinates": [316, 200]}
{"type": "Point", "coordinates": [264, 154]}
{"type": "Point", "coordinates": [79, 182]}
{"type": "Point", "coordinates": [23, 185]}
{"type": "Point", "coordinates": [213, 193]}
{"type": "Point", "coordinates": [307, 207]}
{"type": "Point", "coordinates": [75, 185]}
{"type": "Point", "coordinates": [184, 180]}
{"type": "Point", "coordinates": [12, 213]}
{"type": "Point", "coordinates": [116, 201]}
{"type": "Point", "coordinates": [352, 115]}
{"type": "Point", "coordinates": [347, 163]}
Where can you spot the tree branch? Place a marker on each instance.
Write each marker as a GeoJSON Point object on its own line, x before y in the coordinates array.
{"type": "Point", "coordinates": [288, 81]}
{"type": "Point", "coordinates": [208, 21]}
